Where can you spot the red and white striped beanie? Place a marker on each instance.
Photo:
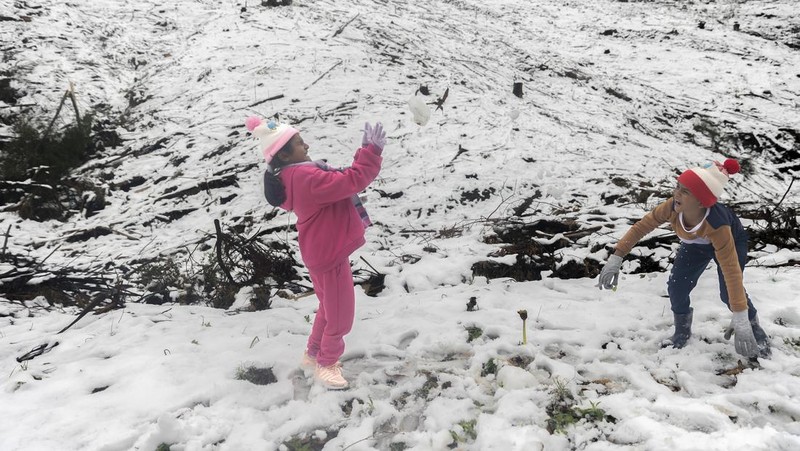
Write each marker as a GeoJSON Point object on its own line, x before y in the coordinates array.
{"type": "Point", "coordinates": [707, 183]}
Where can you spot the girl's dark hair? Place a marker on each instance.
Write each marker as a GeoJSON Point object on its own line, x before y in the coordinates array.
{"type": "Point", "coordinates": [274, 190]}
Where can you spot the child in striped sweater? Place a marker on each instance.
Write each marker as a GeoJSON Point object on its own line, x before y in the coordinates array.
{"type": "Point", "coordinates": [707, 230]}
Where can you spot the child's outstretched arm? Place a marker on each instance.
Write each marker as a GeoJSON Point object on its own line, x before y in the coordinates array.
{"type": "Point", "coordinates": [609, 275]}
{"type": "Point", "coordinates": [328, 187]}
{"type": "Point", "coordinates": [728, 262]}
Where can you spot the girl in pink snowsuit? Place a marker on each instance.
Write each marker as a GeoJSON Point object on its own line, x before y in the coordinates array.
{"type": "Point", "coordinates": [330, 226]}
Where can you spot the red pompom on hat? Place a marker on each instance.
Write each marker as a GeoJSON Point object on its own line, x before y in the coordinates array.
{"type": "Point", "coordinates": [708, 182]}
{"type": "Point", "coordinates": [732, 166]}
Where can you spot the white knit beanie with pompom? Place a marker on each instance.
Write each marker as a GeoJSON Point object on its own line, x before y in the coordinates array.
{"type": "Point", "coordinates": [273, 136]}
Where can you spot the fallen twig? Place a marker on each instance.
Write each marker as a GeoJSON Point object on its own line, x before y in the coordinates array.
{"type": "Point", "coordinates": [95, 302]}
{"type": "Point", "coordinates": [37, 351]}
{"type": "Point", "coordinates": [38, 265]}
{"type": "Point", "coordinates": [784, 196]}
{"type": "Point", "coordinates": [324, 74]}
{"type": "Point", "coordinates": [294, 297]}
{"type": "Point", "coordinates": [279, 96]}
{"type": "Point", "coordinates": [417, 231]}
{"type": "Point", "coordinates": [375, 271]}
{"type": "Point", "coordinates": [345, 25]}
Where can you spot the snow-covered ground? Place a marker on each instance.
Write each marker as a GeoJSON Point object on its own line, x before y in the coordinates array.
{"type": "Point", "coordinates": [168, 374]}
{"type": "Point", "coordinates": [630, 91]}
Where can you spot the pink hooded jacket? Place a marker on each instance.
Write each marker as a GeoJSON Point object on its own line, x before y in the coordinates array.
{"type": "Point", "coordinates": [328, 226]}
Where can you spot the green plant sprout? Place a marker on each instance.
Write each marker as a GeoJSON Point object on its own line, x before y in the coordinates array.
{"type": "Point", "coordinates": [473, 333]}
{"type": "Point", "coordinates": [468, 430]}
{"type": "Point", "coordinates": [490, 367]}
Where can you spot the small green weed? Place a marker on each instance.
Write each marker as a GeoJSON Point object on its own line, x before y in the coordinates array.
{"type": "Point", "coordinates": [488, 368]}
{"type": "Point", "coordinates": [309, 443]}
{"type": "Point", "coordinates": [298, 444]}
{"type": "Point", "coordinates": [473, 333]}
{"type": "Point", "coordinates": [468, 432]}
{"type": "Point", "coordinates": [563, 411]}
{"type": "Point", "coordinates": [560, 408]}
{"type": "Point", "coordinates": [431, 382]}
{"type": "Point", "coordinates": [561, 392]}
{"type": "Point", "coordinates": [593, 413]}
{"type": "Point", "coordinates": [559, 422]}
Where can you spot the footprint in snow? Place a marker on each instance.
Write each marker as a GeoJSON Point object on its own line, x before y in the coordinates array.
{"type": "Point", "coordinates": [302, 381]}
{"type": "Point", "coordinates": [406, 339]}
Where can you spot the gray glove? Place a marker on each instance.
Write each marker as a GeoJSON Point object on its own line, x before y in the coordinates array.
{"type": "Point", "coordinates": [374, 135]}
{"type": "Point", "coordinates": [728, 331]}
{"type": "Point", "coordinates": [743, 340]}
{"type": "Point", "coordinates": [609, 275]}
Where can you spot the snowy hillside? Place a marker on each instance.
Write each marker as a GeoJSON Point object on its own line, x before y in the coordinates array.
{"type": "Point", "coordinates": [617, 98]}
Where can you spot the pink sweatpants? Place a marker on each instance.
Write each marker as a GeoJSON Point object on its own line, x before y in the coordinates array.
{"type": "Point", "coordinates": [334, 319]}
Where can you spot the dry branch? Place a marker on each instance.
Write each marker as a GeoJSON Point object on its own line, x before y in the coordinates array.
{"type": "Point", "coordinates": [55, 116]}
{"type": "Point", "coordinates": [71, 93]}
{"type": "Point", "coordinates": [344, 26]}
{"type": "Point", "coordinates": [95, 302]}
{"type": "Point", "coordinates": [279, 96]}
{"type": "Point", "coordinates": [219, 253]}
{"type": "Point", "coordinates": [324, 74]}
{"type": "Point", "coordinates": [784, 196]}
{"type": "Point", "coordinates": [37, 351]}
{"type": "Point", "coordinates": [5, 242]}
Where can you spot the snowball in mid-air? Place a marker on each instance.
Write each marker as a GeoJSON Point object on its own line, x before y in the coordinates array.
{"type": "Point", "coordinates": [420, 111]}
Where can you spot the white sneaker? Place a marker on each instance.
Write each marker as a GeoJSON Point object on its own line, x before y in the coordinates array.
{"type": "Point", "coordinates": [331, 376]}
{"type": "Point", "coordinates": [310, 363]}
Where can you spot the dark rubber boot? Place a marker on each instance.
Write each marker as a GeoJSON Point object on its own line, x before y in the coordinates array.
{"type": "Point", "coordinates": [683, 331]}
{"type": "Point", "coordinates": [764, 350]}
